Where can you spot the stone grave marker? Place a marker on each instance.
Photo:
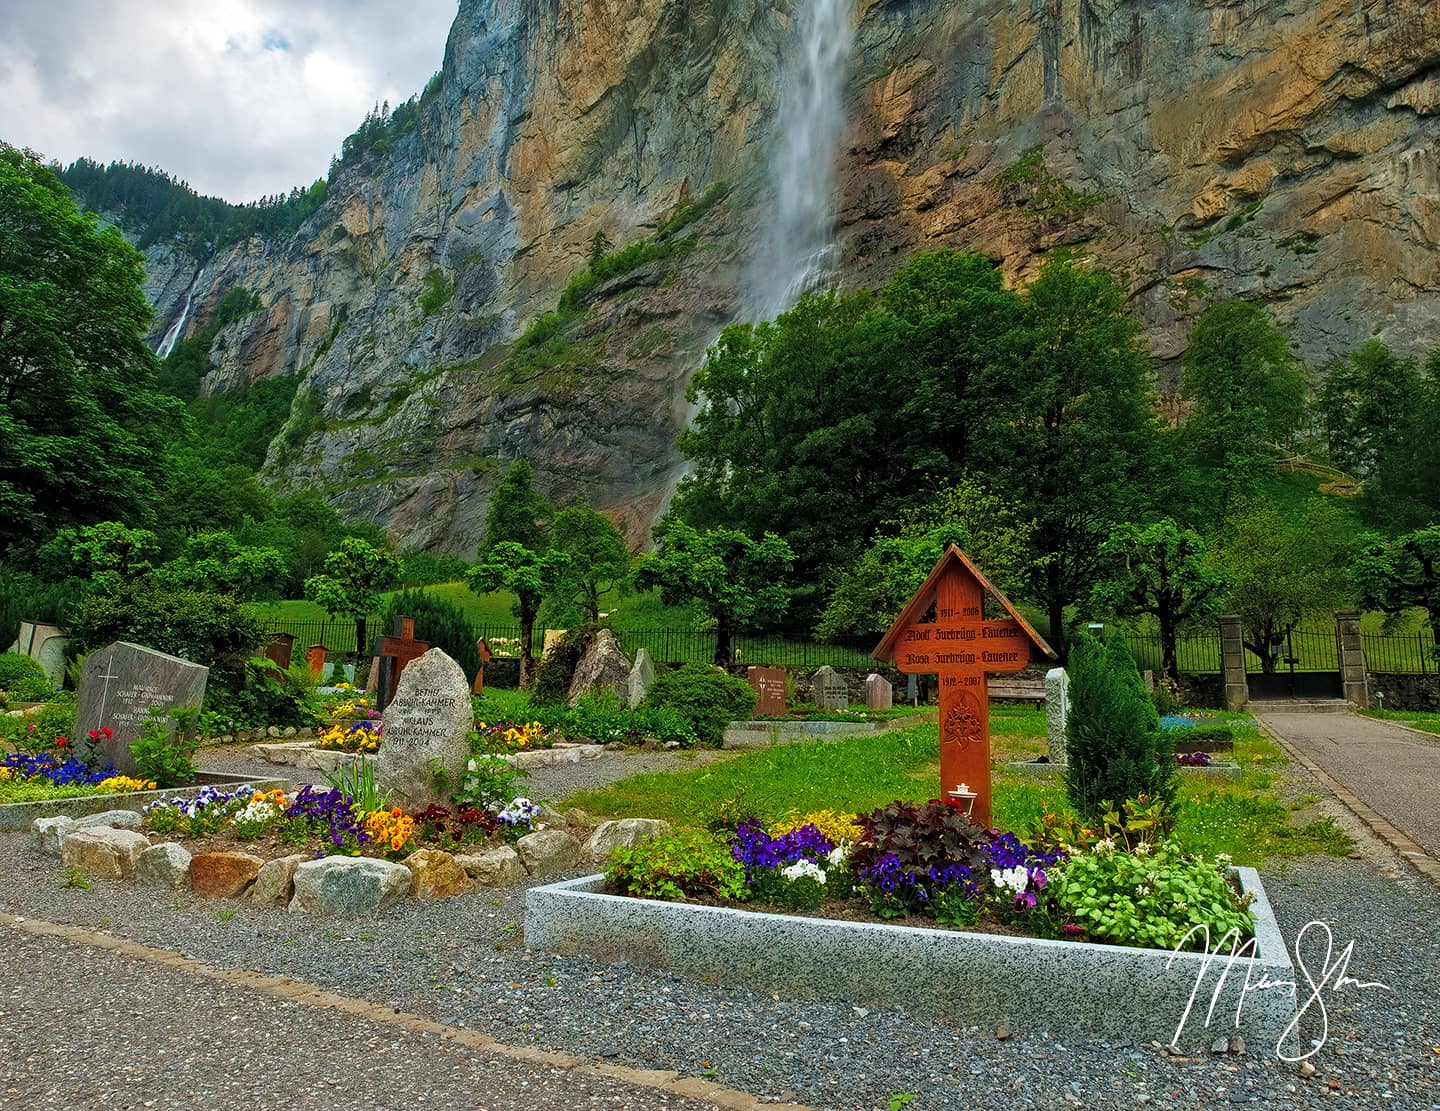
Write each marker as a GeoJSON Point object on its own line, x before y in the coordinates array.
{"type": "Point", "coordinates": [642, 678]}
{"type": "Point", "coordinates": [394, 654]}
{"type": "Point", "coordinates": [427, 724]}
{"type": "Point", "coordinates": [962, 648]}
{"type": "Point", "coordinates": [879, 692]}
{"type": "Point", "coordinates": [831, 692]}
{"type": "Point", "coordinates": [1057, 711]}
{"type": "Point", "coordinates": [604, 668]}
{"type": "Point", "coordinates": [121, 683]}
{"type": "Point", "coordinates": [280, 649]}
{"type": "Point", "coordinates": [769, 684]}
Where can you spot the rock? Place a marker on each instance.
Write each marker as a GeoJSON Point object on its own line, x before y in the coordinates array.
{"type": "Point", "coordinates": [349, 884]}
{"type": "Point", "coordinates": [879, 692]}
{"type": "Point", "coordinates": [640, 679]}
{"type": "Point", "coordinates": [427, 724]}
{"type": "Point", "coordinates": [603, 668]}
{"type": "Point", "coordinates": [272, 731]}
{"type": "Point", "coordinates": [436, 875]}
{"type": "Point", "coordinates": [1003, 1033]}
{"type": "Point", "coordinates": [548, 850]}
{"type": "Point", "coordinates": [493, 867]}
{"type": "Point", "coordinates": [1220, 1045]}
{"type": "Point", "coordinates": [275, 882]}
{"type": "Point", "coordinates": [1237, 1045]}
{"type": "Point", "coordinates": [549, 817]}
{"type": "Point", "coordinates": [829, 690]}
{"type": "Point", "coordinates": [47, 835]}
{"type": "Point", "coordinates": [1307, 1070]}
{"type": "Point", "coordinates": [289, 731]}
{"type": "Point", "coordinates": [164, 865]}
{"type": "Point", "coordinates": [114, 819]}
{"type": "Point", "coordinates": [223, 875]}
{"type": "Point", "coordinates": [576, 818]}
{"type": "Point", "coordinates": [625, 833]}
{"type": "Point", "coordinates": [103, 852]}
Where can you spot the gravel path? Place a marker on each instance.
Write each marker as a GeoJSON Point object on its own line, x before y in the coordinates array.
{"type": "Point", "coordinates": [461, 961]}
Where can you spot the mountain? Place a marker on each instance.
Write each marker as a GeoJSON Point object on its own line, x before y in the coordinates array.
{"type": "Point", "coordinates": [1284, 150]}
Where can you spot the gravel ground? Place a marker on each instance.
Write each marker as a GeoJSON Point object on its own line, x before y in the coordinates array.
{"type": "Point", "coordinates": [461, 961]}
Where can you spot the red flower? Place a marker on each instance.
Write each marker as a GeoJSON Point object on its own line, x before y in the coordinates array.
{"type": "Point", "coordinates": [60, 742]}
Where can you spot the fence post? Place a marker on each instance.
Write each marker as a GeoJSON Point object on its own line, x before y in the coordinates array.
{"type": "Point", "coordinates": [1355, 683]}
{"type": "Point", "coordinates": [1420, 636]}
{"type": "Point", "coordinates": [1232, 662]}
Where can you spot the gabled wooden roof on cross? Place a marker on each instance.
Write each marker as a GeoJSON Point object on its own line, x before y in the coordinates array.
{"type": "Point", "coordinates": [925, 598]}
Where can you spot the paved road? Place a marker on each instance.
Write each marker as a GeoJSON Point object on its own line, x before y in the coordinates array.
{"type": "Point", "coordinates": [1391, 770]}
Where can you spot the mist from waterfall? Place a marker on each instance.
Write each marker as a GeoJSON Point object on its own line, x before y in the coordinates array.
{"type": "Point", "coordinates": [795, 251]}
{"type": "Point", "coordinates": [173, 335]}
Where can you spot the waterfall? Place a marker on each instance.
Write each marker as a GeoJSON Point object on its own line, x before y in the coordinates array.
{"type": "Point", "coordinates": [173, 335]}
{"type": "Point", "coordinates": [794, 255]}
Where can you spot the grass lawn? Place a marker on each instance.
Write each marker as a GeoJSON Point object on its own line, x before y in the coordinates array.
{"type": "Point", "coordinates": [1245, 818]}
{"type": "Point", "coordinates": [1426, 722]}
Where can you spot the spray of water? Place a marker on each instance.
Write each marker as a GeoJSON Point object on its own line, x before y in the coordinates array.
{"type": "Point", "coordinates": [178, 328]}
{"type": "Point", "coordinates": [795, 253]}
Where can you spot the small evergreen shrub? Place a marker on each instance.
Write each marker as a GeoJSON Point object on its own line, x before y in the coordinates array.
{"type": "Point", "coordinates": [705, 696]}
{"type": "Point", "coordinates": [552, 677]}
{"type": "Point", "coordinates": [1116, 748]}
{"type": "Point", "coordinates": [438, 623]}
{"type": "Point", "coordinates": [14, 667]}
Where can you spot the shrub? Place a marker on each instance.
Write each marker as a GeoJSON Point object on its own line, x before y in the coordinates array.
{"type": "Point", "coordinates": [14, 666]}
{"type": "Point", "coordinates": [438, 623]}
{"type": "Point", "coordinates": [165, 751]}
{"type": "Point", "coordinates": [687, 865]}
{"type": "Point", "coordinates": [705, 696]}
{"type": "Point", "coordinates": [1116, 748]}
{"type": "Point", "coordinates": [30, 688]}
{"type": "Point", "coordinates": [557, 668]}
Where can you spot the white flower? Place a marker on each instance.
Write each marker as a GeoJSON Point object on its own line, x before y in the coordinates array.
{"type": "Point", "coordinates": [1142, 891]}
{"type": "Point", "coordinates": [839, 854]}
{"type": "Point", "coordinates": [1015, 879]}
{"type": "Point", "coordinates": [1142, 849]}
{"type": "Point", "coordinates": [804, 869]}
{"type": "Point", "coordinates": [1105, 846]}
{"type": "Point", "coordinates": [1224, 859]}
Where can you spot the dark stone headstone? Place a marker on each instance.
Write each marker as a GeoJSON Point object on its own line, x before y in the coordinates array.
{"type": "Point", "coordinates": [831, 692]}
{"type": "Point", "coordinates": [121, 683]}
{"type": "Point", "coordinates": [769, 684]}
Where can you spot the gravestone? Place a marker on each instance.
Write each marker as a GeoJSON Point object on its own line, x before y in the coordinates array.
{"type": "Point", "coordinates": [831, 692]}
{"type": "Point", "coordinates": [280, 649]}
{"type": "Point", "coordinates": [427, 724]}
{"type": "Point", "coordinates": [1057, 711]}
{"type": "Point", "coordinates": [769, 684]}
{"type": "Point", "coordinates": [482, 649]}
{"type": "Point", "coordinates": [394, 654]}
{"type": "Point", "coordinates": [879, 693]}
{"type": "Point", "coordinates": [315, 660]}
{"type": "Point", "coordinates": [962, 648]}
{"type": "Point", "coordinates": [642, 678]}
{"type": "Point", "coordinates": [121, 683]}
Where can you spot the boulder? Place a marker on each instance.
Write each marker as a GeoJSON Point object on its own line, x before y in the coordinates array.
{"type": "Point", "coordinates": [223, 875]}
{"type": "Point", "coordinates": [427, 726]}
{"type": "Point", "coordinates": [548, 817]}
{"type": "Point", "coordinates": [166, 865]}
{"type": "Point", "coordinates": [493, 867]}
{"type": "Point", "coordinates": [114, 819]}
{"type": "Point", "coordinates": [625, 833]}
{"type": "Point", "coordinates": [576, 818]}
{"type": "Point", "coordinates": [275, 882]}
{"type": "Point", "coordinates": [48, 834]}
{"type": "Point", "coordinates": [349, 885]}
{"type": "Point", "coordinates": [103, 852]}
{"type": "Point", "coordinates": [548, 850]}
{"type": "Point", "coordinates": [603, 668]}
{"type": "Point", "coordinates": [435, 875]}
{"type": "Point", "coordinates": [641, 679]}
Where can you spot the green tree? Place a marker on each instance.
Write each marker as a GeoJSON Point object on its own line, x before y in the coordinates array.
{"type": "Point", "coordinates": [218, 562]}
{"type": "Point", "coordinates": [1282, 564]}
{"type": "Point", "coordinates": [527, 573]}
{"type": "Point", "coordinates": [1075, 434]}
{"type": "Point", "coordinates": [1248, 390]}
{"type": "Point", "coordinates": [1114, 748]}
{"type": "Point", "coordinates": [1364, 405]}
{"type": "Point", "coordinates": [870, 593]}
{"type": "Point", "coordinates": [355, 575]}
{"type": "Point", "coordinates": [518, 513]}
{"type": "Point", "coordinates": [1395, 575]}
{"type": "Point", "coordinates": [82, 424]}
{"type": "Point", "coordinates": [739, 582]}
{"type": "Point", "coordinates": [1163, 571]}
{"type": "Point", "coordinates": [103, 555]}
{"type": "Point", "coordinates": [1405, 489]}
{"type": "Point", "coordinates": [598, 563]}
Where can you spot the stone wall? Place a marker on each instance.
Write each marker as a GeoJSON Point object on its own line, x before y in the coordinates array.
{"type": "Point", "coordinates": [1406, 692]}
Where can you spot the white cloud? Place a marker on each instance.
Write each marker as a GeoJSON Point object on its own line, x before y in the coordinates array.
{"type": "Point", "coordinates": [241, 98]}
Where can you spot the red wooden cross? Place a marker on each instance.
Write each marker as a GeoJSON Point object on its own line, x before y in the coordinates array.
{"type": "Point", "coordinates": [962, 648]}
{"type": "Point", "coordinates": [482, 646]}
{"type": "Point", "coordinates": [394, 654]}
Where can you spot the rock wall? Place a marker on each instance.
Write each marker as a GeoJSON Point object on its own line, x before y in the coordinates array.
{"type": "Point", "coordinates": [1285, 150]}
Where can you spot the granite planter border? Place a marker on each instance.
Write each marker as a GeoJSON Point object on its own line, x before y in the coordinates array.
{"type": "Point", "coordinates": [1223, 770]}
{"type": "Point", "coordinates": [19, 815]}
{"type": "Point", "coordinates": [763, 733]}
{"type": "Point", "coordinates": [1070, 989]}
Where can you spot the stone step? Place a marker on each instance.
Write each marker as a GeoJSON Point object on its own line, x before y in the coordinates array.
{"type": "Point", "coordinates": [1300, 706]}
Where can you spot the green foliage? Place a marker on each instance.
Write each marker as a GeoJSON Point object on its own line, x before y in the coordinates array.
{"type": "Point", "coordinates": [1152, 899]}
{"type": "Point", "coordinates": [1043, 193]}
{"type": "Point", "coordinates": [683, 866]}
{"type": "Point", "coordinates": [438, 292]}
{"type": "Point", "coordinates": [918, 837]}
{"type": "Point", "coordinates": [688, 212]}
{"type": "Point", "coordinates": [165, 752]}
{"type": "Point", "coordinates": [422, 568]}
{"type": "Point", "coordinates": [1115, 749]}
{"type": "Point", "coordinates": [25, 596]}
{"type": "Point", "coordinates": [739, 582]}
{"type": "Point", "coordinates": [1395, 575]}
{"type": "Point", "coordinates": [528, 574]}
{"type": "Point", "coordinates": [29, 688]}
{"type": "Point", "coordinates": [14, 667]}
{"type": "Point", "coordinates": [599, 562]}
{"type": "Point", "coordinates": [206, 628]}
{"type": "Point", "coordinates": [582, 286]}
{"type": "Point", "coordinates": [38, 734]}
{"type": "Point", "coordinates": [1161, 570]}
{"type": "Point", "coordinates": [552, 678]}
{"type": "Point", "coordinates": [273, 696]}
{"type": "Point", "coordinates": [235, 427]}
{"type": "Point", "coordinates": [1362, 405]}
{"type": "Point", "coordinates": [355, 575]}
{"type": "Point", "coordinates": [518, 512]}
{"type": "Point", "coordinates": [707, 697]}
{"type": "Point", "coordinates": [439, 623]}
{"type": "Point", "coordinates": [216, 561]}
{"type": "Point", "coordinates": [489, 781]}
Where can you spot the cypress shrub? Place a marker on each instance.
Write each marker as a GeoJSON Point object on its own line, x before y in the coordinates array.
{"type": "Point", "coordinates": [439, 623]}
{"type": "Point", "coordinates": [1116, 750]}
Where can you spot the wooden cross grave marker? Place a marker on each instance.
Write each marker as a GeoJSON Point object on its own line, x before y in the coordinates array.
{"type": "Point", "coordinates": [393, 654]}
{"type": "Point", "coordinates": [962, 648]}
{"type": "Point", "coordinates": [482, 647]}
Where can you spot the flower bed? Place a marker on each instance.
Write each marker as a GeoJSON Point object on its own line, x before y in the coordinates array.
{"type": "Point", "coordinates": [21, 815]}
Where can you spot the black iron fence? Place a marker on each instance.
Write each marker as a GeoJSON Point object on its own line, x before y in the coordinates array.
{"type": "Point", "coordinates": [1196, 654]}
{"type": "Point", "coordinates": [337, 636]}
{"type": "Point", "coordinates": [1400, 655]}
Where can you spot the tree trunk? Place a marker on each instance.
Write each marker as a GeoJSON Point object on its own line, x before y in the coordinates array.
{"type": "Point", "coordinates": [360, 646]}
{"type": "Point", "coordinates": [1169, 650]}
{"type": "Point", "coordinates": [1056, 606]}
{"type": "Point", "coordinates": [723, 635]}
{"type": "Point", "coordinates": [527, 641]}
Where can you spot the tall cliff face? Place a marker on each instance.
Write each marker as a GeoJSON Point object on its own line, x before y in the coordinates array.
{"type": "Point", "coordinates": [1202, 148]}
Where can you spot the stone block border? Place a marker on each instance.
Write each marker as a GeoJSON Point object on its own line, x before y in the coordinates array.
{"type": "Point", "coordinates": [1218, 770]}
{"type": "Point", "coordinates": [20, 815]}
{"type": "Point", "coordinates": [762, 734]}
{"type": "Point", "coordinates": [1070, 989]}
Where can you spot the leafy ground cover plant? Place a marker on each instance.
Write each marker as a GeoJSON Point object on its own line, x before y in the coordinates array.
{"type": "Point", "coordinates": [683, 866]}
{"type": "Point", "coordinates": [165, 750]}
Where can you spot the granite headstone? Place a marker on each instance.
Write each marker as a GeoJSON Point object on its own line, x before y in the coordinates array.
{"type": "Point", "coordinates": [879, 692]}
{"type": "Point", "coordinates": [642, 678]}
{"type": "Point", "coordinates": [119, 686]}
{"type": "Point", "coordinates": [831, 692]}
{"type": "Point", "coordinates": [769, 684]}
{"type": "Point", "coordinates": [426, 726]}
{"type": "Point", "coordinates": [1057, 711]}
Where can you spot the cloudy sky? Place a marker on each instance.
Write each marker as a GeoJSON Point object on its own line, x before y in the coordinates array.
{"type": "Point", "coordinates": [241, 98]}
